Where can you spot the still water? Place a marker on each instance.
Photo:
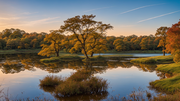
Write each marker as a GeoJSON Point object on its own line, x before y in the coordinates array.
{"type": "Point", "coordinates": [20, 75]}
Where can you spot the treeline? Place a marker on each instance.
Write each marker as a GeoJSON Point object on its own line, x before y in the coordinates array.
{"type": "Point", "coordinates": [19, 39]}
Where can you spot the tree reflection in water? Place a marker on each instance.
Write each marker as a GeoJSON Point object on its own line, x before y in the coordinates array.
{"type": "Point", "coordinates": [10, 64]}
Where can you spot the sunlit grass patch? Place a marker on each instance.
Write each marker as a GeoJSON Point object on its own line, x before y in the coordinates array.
{"type": "Point", "coordinates": [169, 85]}
{"type": "Point", "coordinates": [155, 59]}
{"type": "Point", "coordinates": [173, 68]}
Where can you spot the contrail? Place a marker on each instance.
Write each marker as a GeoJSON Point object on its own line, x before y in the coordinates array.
{"type": "Point", "coordinates": [157, 16]}
{"type": "Point", "coordinates": [140, 8]}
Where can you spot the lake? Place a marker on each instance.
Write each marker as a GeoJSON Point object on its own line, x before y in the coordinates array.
{"type": "Point", "coordinates": [20, 75]}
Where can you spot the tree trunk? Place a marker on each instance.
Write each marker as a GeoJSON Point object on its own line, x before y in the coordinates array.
{"type": "Point", "coordinates": [57, 53]}
{"type": "Point", "coordinates": [163, 52]}
{"type": "Point", "coordinates": [92, 54]}
{"type": "Point", "coordinates": [85, 54]}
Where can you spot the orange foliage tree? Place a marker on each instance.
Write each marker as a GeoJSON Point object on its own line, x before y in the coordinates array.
{"type": "Point", "coordinates": [173, 41]}
{"type": "Point", "coordinates": [161, 34]}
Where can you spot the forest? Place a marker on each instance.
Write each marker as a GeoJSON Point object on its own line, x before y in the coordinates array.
{"type": "Point", "coordinates": [19, 39]}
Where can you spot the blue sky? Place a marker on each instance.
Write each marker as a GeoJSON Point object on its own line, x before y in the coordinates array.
{"type": "Point", "coordinates": [139, 17]}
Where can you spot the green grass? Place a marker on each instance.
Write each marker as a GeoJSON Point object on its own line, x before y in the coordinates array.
{"type": "Point", "coordinates": [155, 59]}
{"type": "Point", "coordinates": [173, 68]}
{"type": "Point", "coordinates": [169, 85]}
{"type": "Point", "coordinates": [15, 51]}
{"type": "Point", "coordinates": [70, 57]}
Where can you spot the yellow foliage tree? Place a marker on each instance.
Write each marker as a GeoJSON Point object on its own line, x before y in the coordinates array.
{"type": "Point", "coordinates": [119, 45]}
{"type": "Point", "coordinates": [55, 38]}
{"type": "Point", "coordinates": [82, 28]}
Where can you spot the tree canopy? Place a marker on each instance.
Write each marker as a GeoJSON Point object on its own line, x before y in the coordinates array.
{"type": "Point", "coordinates": [173, 41]}
{"type": "Point", "coordinates": [83, 28]}
{"type": "Point", "coordinates": [161, 34]}
{"type": "Point", "coordinates": [55, 43]}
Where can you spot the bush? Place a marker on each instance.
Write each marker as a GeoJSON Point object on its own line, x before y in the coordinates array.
{"type": "Point", "coordinates": [90, 86]}
{"type": "Point", "coordinates": [51, 80]}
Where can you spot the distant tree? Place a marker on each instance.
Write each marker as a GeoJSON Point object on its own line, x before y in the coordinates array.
{"type": "Point", "coordinates": [2, 44]}
{"type": "Point", "coordinates": [82, 28]}
{"type": "Point", "coordinates": [144, 43]}
{"type": "Point", "coordinates": [6, 33]}
{"type": "Point", "coordinates": [56, 44]}
{"type": "Point", "coordinates": [173, 41]}
{"type": "Point", "coordinates": [119, 45]}
{"type": "Point", "coordinates": [127, 44]}
{"type": "Point", "coordinates": [161, 34]}
{"type": "Point", "coordinates": [12, 43]}
{"type": "Point", "coordinates": [17, 33]}
{"type": "Point", "coordinates": [110, 41]}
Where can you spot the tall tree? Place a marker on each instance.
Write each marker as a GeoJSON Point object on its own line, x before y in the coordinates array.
{"type": "Point", "coordinates": [173, 41]}
{"type": "Point", "coordinates": [83, 27]}
{"type": "Point", "coordinates": [56, 44]}
{"type": "Point", "coordinates": [161, 34]}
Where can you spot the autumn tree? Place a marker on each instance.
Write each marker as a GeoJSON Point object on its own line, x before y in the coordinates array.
{"type": "Point", "coordinates": [56, 44]}
{"type": "Point", "coordinates": [161, 34]}
{"type": "Point", "coordinates": [144, 43]}
{"type": "Point", "coordinates": [173, 41]}
{"type": "Point", "coordinates": [82, 28]}
{"type": "Point", "coordinates": [119, 45]}
{"type": "Point", "coordinates": [110, 41]}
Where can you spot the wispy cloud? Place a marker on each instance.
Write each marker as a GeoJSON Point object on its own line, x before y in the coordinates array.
{"type": "Point", "coordinates": [158, 16]}
{"type": "Point", "coordinates": [97, 9]}
{"type": "Point", "coordinates": [34, 22]}
{"type": "Point", "coordinates": [140, 8]}
{"type": "Point", "coordinates": [45, 20]}
{"type": "Point", "coordinates": [10, 18]}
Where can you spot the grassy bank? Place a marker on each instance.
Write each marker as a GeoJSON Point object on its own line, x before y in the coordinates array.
{"type": "Point", "coordinates": [15, 51]}
{"type": "Point", "coordinates": [64, 57]}
{"type": "Point", "coordinates": [169, 85]}
{"type": "Point", "coordinates": [154, 59]}
{"type": "Point", "coordinates": [70, 57]}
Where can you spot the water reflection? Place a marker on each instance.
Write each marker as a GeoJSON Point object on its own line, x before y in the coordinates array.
{"type": "Point", "coordinates": [15, 64]}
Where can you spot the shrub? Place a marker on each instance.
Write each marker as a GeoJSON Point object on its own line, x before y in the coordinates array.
{"type": "Point", "coordinates": [51, 80]}
{"type": "Point", "coordinates": [89, 86]}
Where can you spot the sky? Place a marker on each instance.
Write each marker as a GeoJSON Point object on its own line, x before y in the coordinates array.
{"type": "Point", "coordinates": [128, 17]}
